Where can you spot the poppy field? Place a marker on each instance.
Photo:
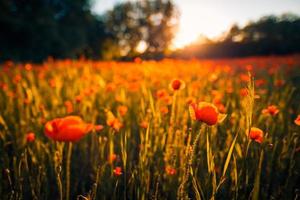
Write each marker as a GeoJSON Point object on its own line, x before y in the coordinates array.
{"type": "Point", "coordinates": [169, 129]}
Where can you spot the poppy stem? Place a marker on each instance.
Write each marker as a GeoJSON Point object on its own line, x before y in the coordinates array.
{"type": "Point", "coordinates": [69, 153]}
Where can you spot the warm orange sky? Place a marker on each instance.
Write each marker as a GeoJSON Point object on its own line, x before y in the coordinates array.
{"type": "Point", "coordinates": [212, 17]}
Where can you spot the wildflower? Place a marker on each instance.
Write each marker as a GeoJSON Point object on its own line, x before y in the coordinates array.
{"type": "Point", "coordinates": [110, 87]}
{"type": "Point", "coordinates": [111, 158]}
{"type": "Point", "coordinates": [122, 110]}
{"type": "Point", "coordinates": [17, 78]}
{"type": "Point", "coordinates": [98, 127]}
{"type": "Point", "coordinates": [118, 171]}
{"type": "Point", "coordinates": [256, 134]}
{"type": "Point", "coordinates": [160, 94]}
{"type": "Point", "coordinates": [244, 78]}
{"type": "Point", "coordinates": [52, 83]}
{"type": "Point", "coordinates": [177, 84]}
{"type": "Point", "coordinates": [68, 129]}
{"type": "Point", "coordinates": [206, 112]}
{"type": "Point", "coordinates": [26, 101]}
{"type": "Point", "coordinates": [144, 124]}
{"type": "Point", "coordinates": [270, 110]}
{"type": "Point", "coordinates": [279, 83]}
{"type": "Point", "coordinates": [170, 170]}
{"type": "Point", "coordinates": [28, 67]}
{"type": "Point", "coordinates": [78, 98]}
{"type": "Point", "coordinates": [164, 110]}
{"type": "Point", "coordinates": [113, 122]}
{"type": "Point", "coordinates": [244, 92]}
{"type": "Point", "coordinates": [297, 120]}
{"type": "Point", "coordinates": [69, 106]}
{"type": "Point", "coordinates": [30, 137]}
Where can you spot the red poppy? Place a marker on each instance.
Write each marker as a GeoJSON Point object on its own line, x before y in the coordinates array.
{"type": "Point", "coordinates": [122, 110]}
{"type": "Point", "coordinates": [170, 170]}
{"type": "Point", "coordinates": [177, 84]}
{"type": "Point", "coordinates": [297, 120]}
{"type": "Point", "coordinates": [144, 124]}
{"type": "Point", "coordinates": [118, 171]}
{"type": "Point", "coordinates": [256, 134]}
{"type": "Point", "coordinates": [30, 137]}
{"type": "Point", "coordinates": [206, 112]}
{"type": "Point", "coordinates": [69, 106]}
{"type": "Point", "coordinates": [68, 129]}
{"type": "Point", "coordinates": [271, 110]}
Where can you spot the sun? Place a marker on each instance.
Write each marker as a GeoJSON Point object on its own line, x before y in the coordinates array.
{"type": "Point", "coordinates": [183, 38]}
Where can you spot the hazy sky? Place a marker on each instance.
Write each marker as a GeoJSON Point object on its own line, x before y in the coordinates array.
{"type": "Point", "coordinates": [213, 17]}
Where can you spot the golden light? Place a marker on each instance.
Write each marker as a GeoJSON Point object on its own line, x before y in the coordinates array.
{"type": "Point", "coordinates": [193, 24]}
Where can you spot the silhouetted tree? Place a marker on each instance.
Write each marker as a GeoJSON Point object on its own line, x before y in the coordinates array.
{"type": "Point", "coordinates": [36, 29]}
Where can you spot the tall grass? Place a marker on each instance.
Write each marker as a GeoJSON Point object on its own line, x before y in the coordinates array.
{"type": "Point", "coordinates": [161, 151]}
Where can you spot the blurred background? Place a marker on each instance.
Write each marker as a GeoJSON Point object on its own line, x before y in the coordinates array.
{"type": "Point", "coordinates": [34, 30]}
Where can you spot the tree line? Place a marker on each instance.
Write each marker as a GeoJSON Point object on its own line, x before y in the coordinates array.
{"type": "Point", "coordinates": [33, 30]}
{"type": "Point", "coordinates": [270, 35]}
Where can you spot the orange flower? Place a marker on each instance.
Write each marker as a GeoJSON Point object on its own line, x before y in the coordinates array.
{"type": "Point", "coordinates": [113, 122]}
{"type": "Point", "coordinates": [206, 112]}
{"type": "Point", "coordinates": [177, 84]}
{"type": "Point", "coordinates": [144, 124]}
{"type": "Point", "coordinates": [111, 158]}
{"type": "Point", "coordinates": [270, 110]}
{"type": "Point", "coordinates": [69, 106]}
{"type": "Point", "coordinates": [256, 134]}
{"type": "Point", "coordinates": [122, 110]}
{"type": "Point", "coordinates": [28, 67]}
{"type": "Point", "coordinates": [98, 127]}
{"type": "Point", "coordinates": [297, 120]}
{"type": "Point", "coordinates": [170, 170]}
{"type": "Point", "coordinates": [244, 92]}
{"type": "Point", "coordinates": [164, 110]}
{"type": "Point", "coordinates": [30, 137]}
{"type": "Point", "coordinates": [161, 93]}
{"type": "Point", "coordinates": [118, 171]}
{"type": "Point", "coordinates": [78, 98]}
{"type": "Point", "coordinates": [67, 129]}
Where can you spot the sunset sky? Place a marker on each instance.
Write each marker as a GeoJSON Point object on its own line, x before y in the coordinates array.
{"type": "Point", "coordinates": [212, 17]}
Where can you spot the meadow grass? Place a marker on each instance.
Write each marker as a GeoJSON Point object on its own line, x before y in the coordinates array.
{"type": "Point", "coordinates": [155, 150]}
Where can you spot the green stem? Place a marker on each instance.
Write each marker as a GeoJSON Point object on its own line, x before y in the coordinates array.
{"type": "Point", "coordinates": [69, 153]}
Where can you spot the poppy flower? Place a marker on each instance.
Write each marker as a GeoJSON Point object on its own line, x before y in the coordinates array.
{"type": "Point", "coordinates": [30, 137]}
{"type": "Point", "coordinates": [122, 110]}
{"type": "Point", "coordinates": [206, 112]}
{"type": "Point", "coordinates": [297, 120]}
{"type": "Point", "coordinates": [244, 92]}
{"type": "Point", "coordinates": [170, 170]}
{"type": "Point", "coordinates": [164, 110]}
{"type": "Point", "coordinates": [176, 84]}
{"type": "Point", "coordinates": [118, 171]}
{"type": "Point", "coordinates": [67, 129]}
{"type": "Point", "coordinates": [111, 158]}
{"type": "Point", "coordinates": [161, 93]}
{"type": "Point", "coordinates": [144, 124]}
{"type": "Point", "coordinates": [69, 106]}
{"type": "Point", "coordinates": [113, 122]}
{"type": "Point", "coordinates": [270, 110]}
{"type": "Point", "coordinates": [256, 134]}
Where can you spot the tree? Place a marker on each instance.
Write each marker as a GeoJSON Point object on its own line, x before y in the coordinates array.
{"type": "Point", "coordinates": [35, 29]}
{"type": "Point", "coordinates": [151, 23]}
